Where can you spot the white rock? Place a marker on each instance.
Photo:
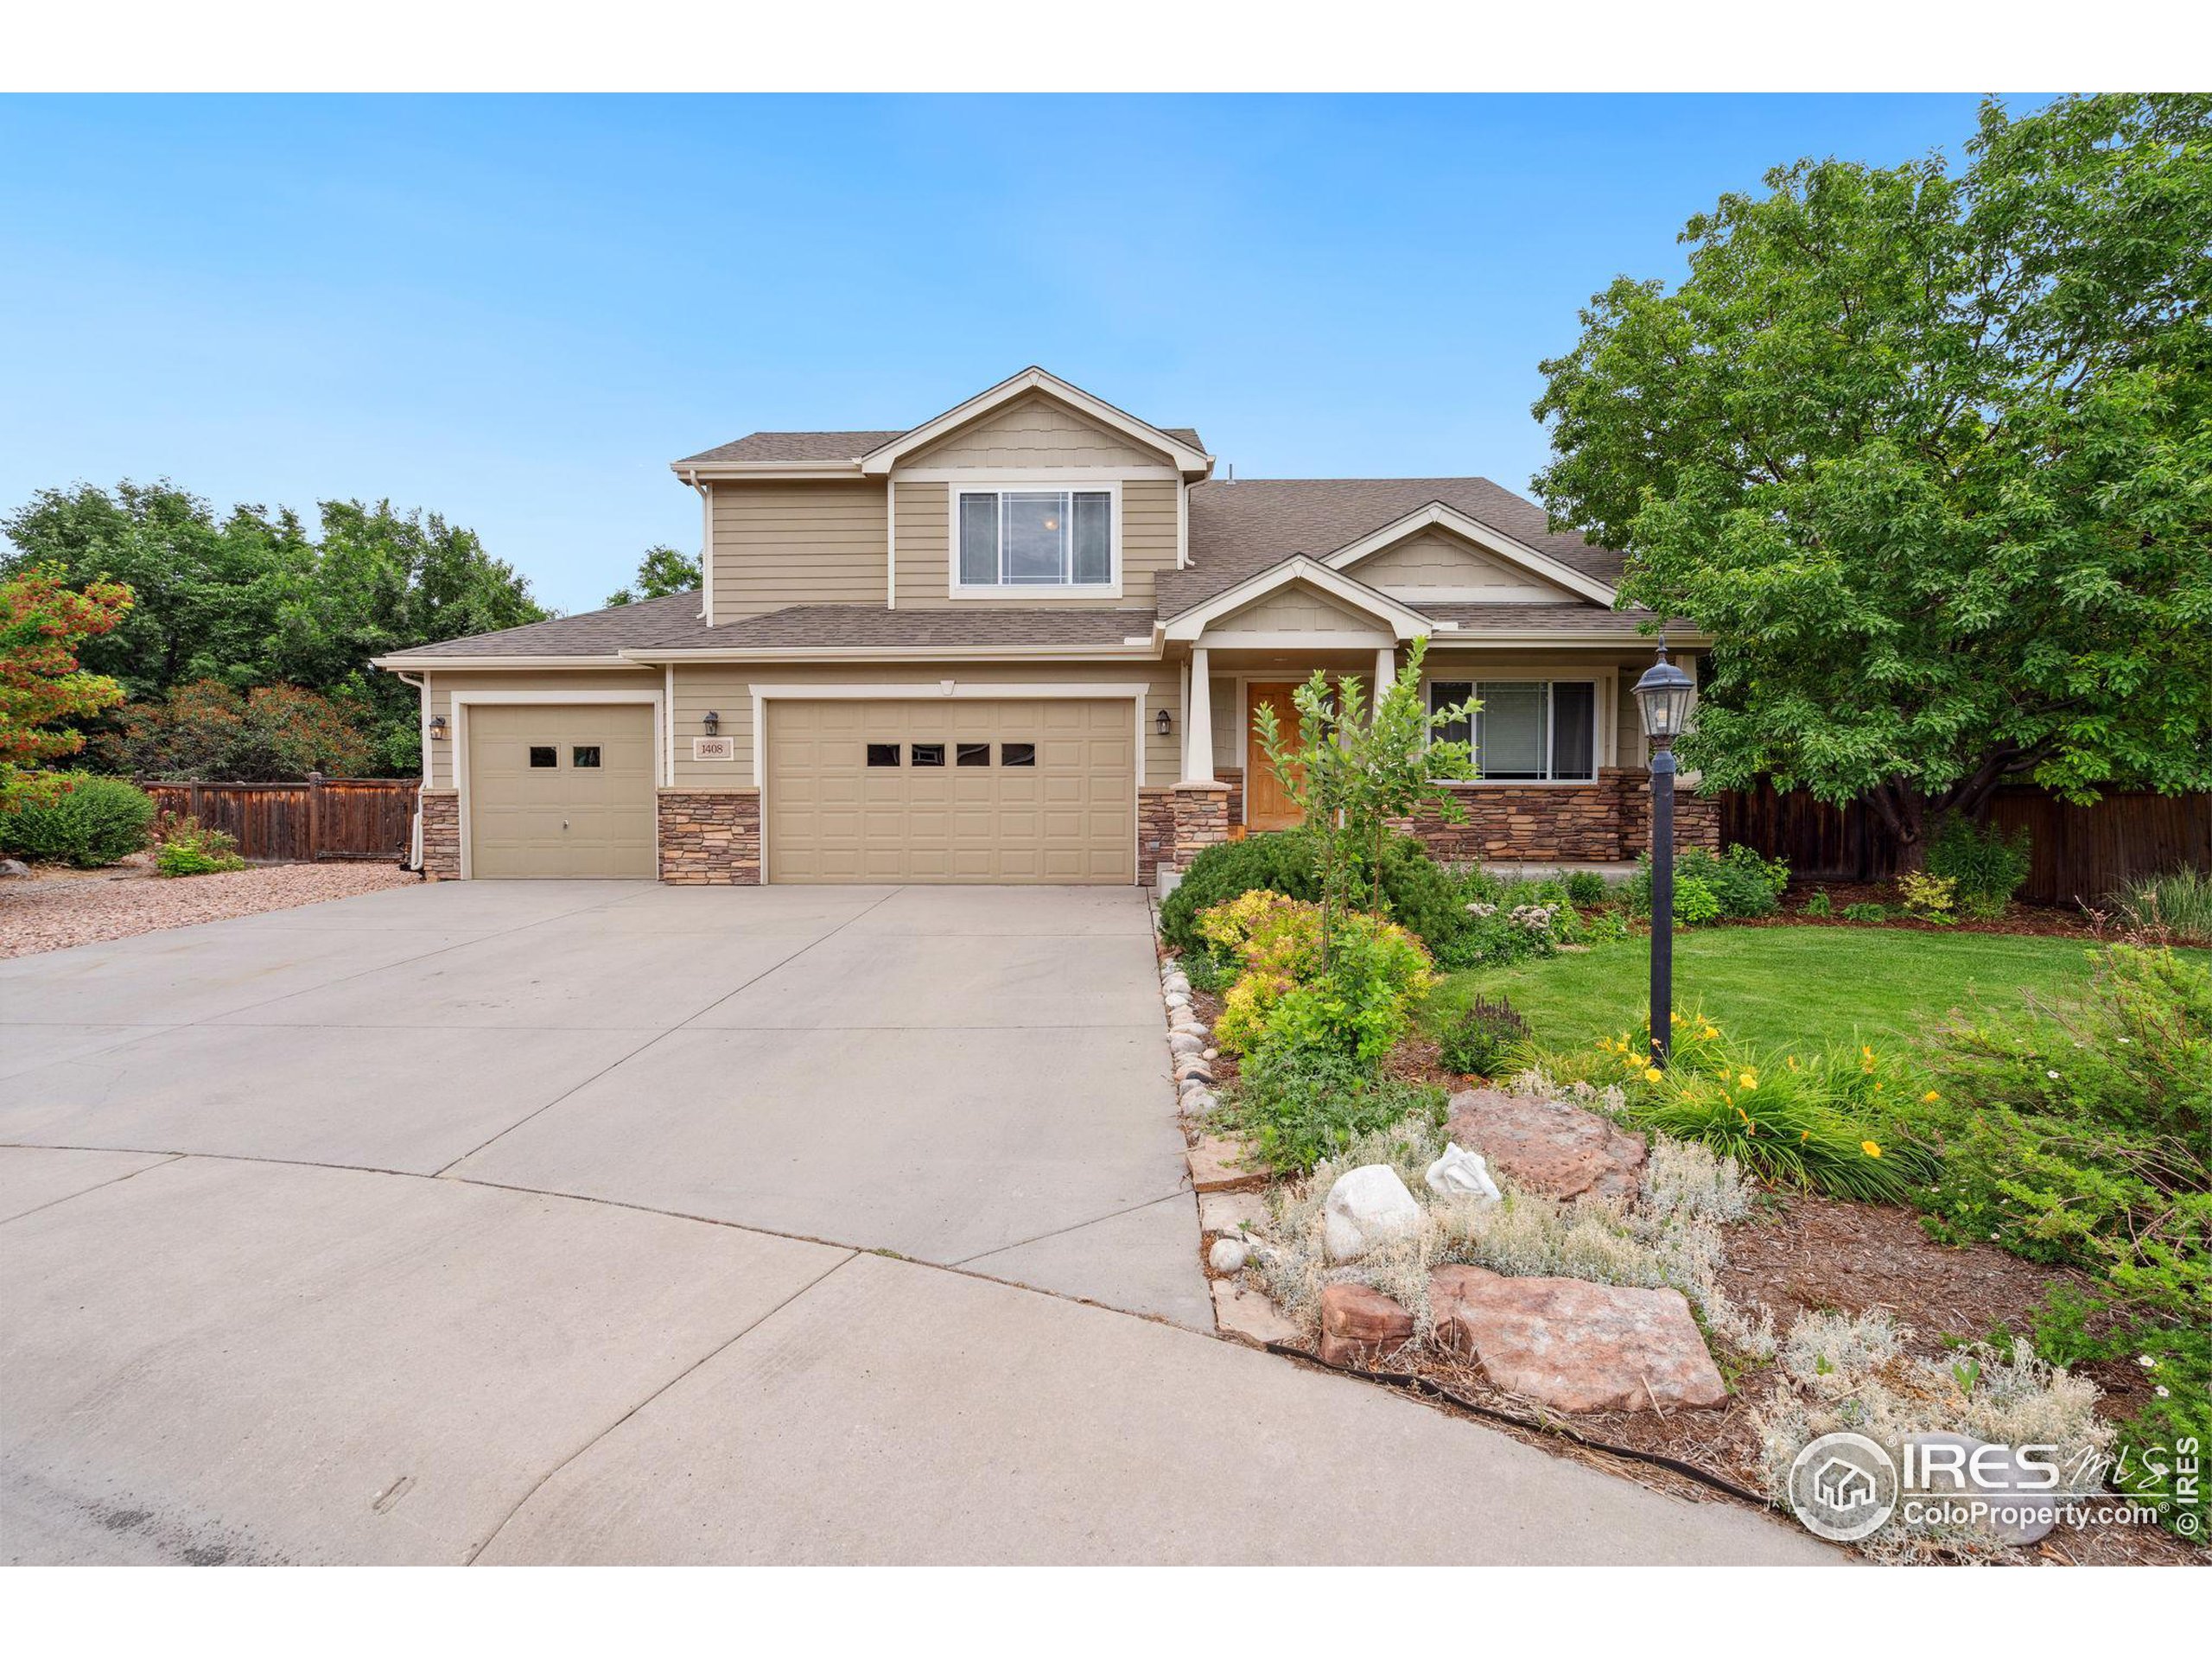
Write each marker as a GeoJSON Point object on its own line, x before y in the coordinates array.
{"type": "Point", "coordinates": [1459, 1172]}
{"type": "Point", "coordinates": [1229, 1255]}
{"type": "Point", "coordinates": [1366, 1206]}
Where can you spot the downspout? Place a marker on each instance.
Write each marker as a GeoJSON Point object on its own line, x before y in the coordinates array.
{"type": "Point", "coordinates": [706, 546]}
{"type": "Point", "coordinates": [422, 726]}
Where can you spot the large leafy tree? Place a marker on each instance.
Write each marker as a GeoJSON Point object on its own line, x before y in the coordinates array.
{"type": "Point", "coordinates": [252, 598]}
{"type": "Point", "coordinates": [661, 571]}
{"type": "Point", "coordinates": [44, 626]}
{"type": "Point", "coordinates": [1930, 453]}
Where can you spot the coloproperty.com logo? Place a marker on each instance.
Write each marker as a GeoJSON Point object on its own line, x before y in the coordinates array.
{"type": "Point", "coordinates": [1845, 1487]}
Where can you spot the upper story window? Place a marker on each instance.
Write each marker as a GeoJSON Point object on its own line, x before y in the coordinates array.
{"type": "Point", "coordinates": [1526, 731]}
{"type": "Point", "coordinates": [1025, 540]}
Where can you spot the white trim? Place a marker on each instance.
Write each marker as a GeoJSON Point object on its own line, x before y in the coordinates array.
{"type": "Point", "coordinates": [423, 665]}
{"type": "Point", "coordinates": [890, 544]}
{"type": "Point", "coordinates": [1406, 622]}
{"type": "Point", "coordinates": [922, 690]}
{"type": "Point", "coordinates": [966, 475]}
{"type": "Point", "coordinates": [791, 471]}
{"type": "Point", "coordinates": [463, 699]}
{"type": "Point", "coordinates": [975, 690]}
{"type": "Point", "coordinates": [1182, 523]}
{"type": "Point", "coordinates": [1359, 640]}
{"type": "Point", "coordinates": [884, 456]}
{"type": "Point", "coordinates": [1483, 536]}
{"type": "Point", "coordinates": [668, 734]}
{"type": "Point", "coordinates": [1132, 650]}
{"type": "Point", "coordinates": [1003, 484]}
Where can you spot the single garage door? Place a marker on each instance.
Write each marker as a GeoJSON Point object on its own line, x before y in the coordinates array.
{"type": "Point", "coordinates": [945, 789]}
{"type": "Point", "coordinates": [564, 789]}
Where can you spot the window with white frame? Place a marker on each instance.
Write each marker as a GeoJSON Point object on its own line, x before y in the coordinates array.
{"type": "Point", "coordinates": [1526, 731]}
{"type": "Point", "coordinates": [1035, 539]}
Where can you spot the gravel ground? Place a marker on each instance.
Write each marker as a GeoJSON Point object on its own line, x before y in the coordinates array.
{"type": "Point", "coordinates": [52, 910]}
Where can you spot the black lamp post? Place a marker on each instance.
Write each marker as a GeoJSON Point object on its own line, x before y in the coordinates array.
{"type": "Point", "coordinates": [1663, 698]}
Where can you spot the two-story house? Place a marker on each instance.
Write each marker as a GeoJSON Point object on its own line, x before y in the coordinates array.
{"type": "Point", "coordinates": [1025, 641]}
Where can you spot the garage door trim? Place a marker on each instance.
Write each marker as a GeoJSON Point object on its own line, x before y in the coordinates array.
{"type": "Point", "coordinates": [463, 700]}
{"type": "Point", "coordinates": [982, 690]}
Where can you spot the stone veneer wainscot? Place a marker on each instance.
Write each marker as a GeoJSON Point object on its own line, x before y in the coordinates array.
{"type": "Point", "coordinates": [710, 837]}
{"type": "Point", "coordinates": [440, 810]}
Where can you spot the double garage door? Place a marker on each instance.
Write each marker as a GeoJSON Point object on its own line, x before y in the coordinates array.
{"type": "Point", "coordinates": [949, 789]}
{"type": "Point", "coordinates": [934, 790]}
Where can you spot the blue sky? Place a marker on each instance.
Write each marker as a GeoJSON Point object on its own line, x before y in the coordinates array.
{"type": "Point", "coordinates": [518, 311]}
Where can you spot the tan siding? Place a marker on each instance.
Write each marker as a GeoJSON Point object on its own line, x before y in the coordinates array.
{"type": "Point", "coordinates": [1434, 561]}
{"type": "Point", "coordinates": [1295, 609]}
{"type": "Point", "coordinates": [727, 689]}
{"type": "Point", "coordinates": [444, 684]}
{"type": "Point", "coordinates": [1148, 530]}
{"type": "Point", "coordinates": [1034, 431]}
{"type": "Point", "coordinates": [811, 544]}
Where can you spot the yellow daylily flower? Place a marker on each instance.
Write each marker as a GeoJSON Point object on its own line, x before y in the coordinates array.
{"type": "Point", "coordinates": [1870, 1149]}
{"type": "Point", "coordinates": [1931, 1098]}
{"type": "Point", "coordinates": [1652, 1074]}
{"type": "Point", "coordinates": [1748, 1081]}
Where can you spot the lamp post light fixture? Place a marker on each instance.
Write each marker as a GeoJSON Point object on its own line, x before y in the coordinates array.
{"type": "Point", "coordinates": [1663, 699]}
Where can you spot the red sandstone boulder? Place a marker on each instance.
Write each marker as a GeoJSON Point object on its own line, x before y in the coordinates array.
{"type": "Point", "coordinates": [1576, 1346]}
{"type": "Point", "coordinates": [1549, 1147]}
{"type": "Point", "coordinates": [1360, 1325]}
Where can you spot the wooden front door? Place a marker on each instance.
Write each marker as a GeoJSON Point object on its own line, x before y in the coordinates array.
{"type": "Point", "coordinates": [1267, 804]}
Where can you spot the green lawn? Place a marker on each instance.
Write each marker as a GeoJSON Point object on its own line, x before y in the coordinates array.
{"type": "Point", "coordinates": [1777, 986]}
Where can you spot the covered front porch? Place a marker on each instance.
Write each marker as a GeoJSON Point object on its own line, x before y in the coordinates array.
{"type": "Point", "coordinates": [1562, 780]}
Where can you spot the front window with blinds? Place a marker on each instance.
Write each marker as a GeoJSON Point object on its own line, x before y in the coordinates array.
{"type": "Point", "coordinates": [1526, 731]}
{"type": "Point", "coordinates": [1016, 539]}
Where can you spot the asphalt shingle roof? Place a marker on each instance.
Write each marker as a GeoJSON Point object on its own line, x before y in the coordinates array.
{"type": "Point", "coordinates": [1236, 530]}
{"type": "Point", "coordinates": [865, 625]}
{"type": "Point", "coordinates": [799, 449]}
{"type": "Point", "coordinates": [1239, 529]}
{"type": "Point", "coordinates": [591, 633]}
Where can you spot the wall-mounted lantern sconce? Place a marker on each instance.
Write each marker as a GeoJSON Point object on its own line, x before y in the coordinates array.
{"type": "Point", "coordinates": [712, 721]}
{"type": "Point", "coordinates": [1164, 724]}
{"type": "Point", "coordinates": [438, 730]}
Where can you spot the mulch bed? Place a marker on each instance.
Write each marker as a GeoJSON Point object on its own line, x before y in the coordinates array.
{"type": "Point", "coordinates": [2040, 921]}
{"type": "Point", "coordinates": [1803, 1253]}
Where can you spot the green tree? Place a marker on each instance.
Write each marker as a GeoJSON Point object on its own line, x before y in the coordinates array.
{"type": "Point", "coordinates": [252, 599]}
{"type": "Point", "coordinates": [44, 627]}
{"type": "Point", "coordinates": [1354, 777]}
{"type": "Point", "coordinates": [205, 730]}
{"type": "Point", "coordinates": [661, 572]}
{"type": "Point", "coordinates": [1930, 454]}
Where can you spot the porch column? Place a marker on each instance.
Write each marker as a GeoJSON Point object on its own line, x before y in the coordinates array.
{"type": "Point", "coordinates": [1385, 670]}
{"type": "Point", "coordinates": [1198, 722]}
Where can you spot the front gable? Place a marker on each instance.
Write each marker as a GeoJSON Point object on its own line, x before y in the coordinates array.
{"type": "Point", "coordinates": [1297, 607]}
{"type": "Point", "coordinates": [1036, 431]}
{"type": "Point", "coordinates": [1135, 441]}
{"type": "Point", "coordinates": [1439, 555]}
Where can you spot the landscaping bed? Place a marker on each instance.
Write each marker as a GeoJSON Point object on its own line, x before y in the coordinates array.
{"type": "Point", "coordinates": [54, 909]}
{"type": "Point", "coordinates": [1803, 1308]}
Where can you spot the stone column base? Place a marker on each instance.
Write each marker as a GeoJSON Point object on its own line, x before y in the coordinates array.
{"type": "Point", "coordinates": [440, 810]}
{"type": "Point", "coordinates": [709, 837]}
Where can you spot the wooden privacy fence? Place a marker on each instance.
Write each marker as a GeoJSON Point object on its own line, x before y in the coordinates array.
{"type": "Point", "coordinates": [323, 818]}
{"type": "Point", "coordinates": [2080, 853]}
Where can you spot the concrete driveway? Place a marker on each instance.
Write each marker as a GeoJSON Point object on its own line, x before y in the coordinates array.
{"type": "Point", "coordinates": [565, 1221]}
